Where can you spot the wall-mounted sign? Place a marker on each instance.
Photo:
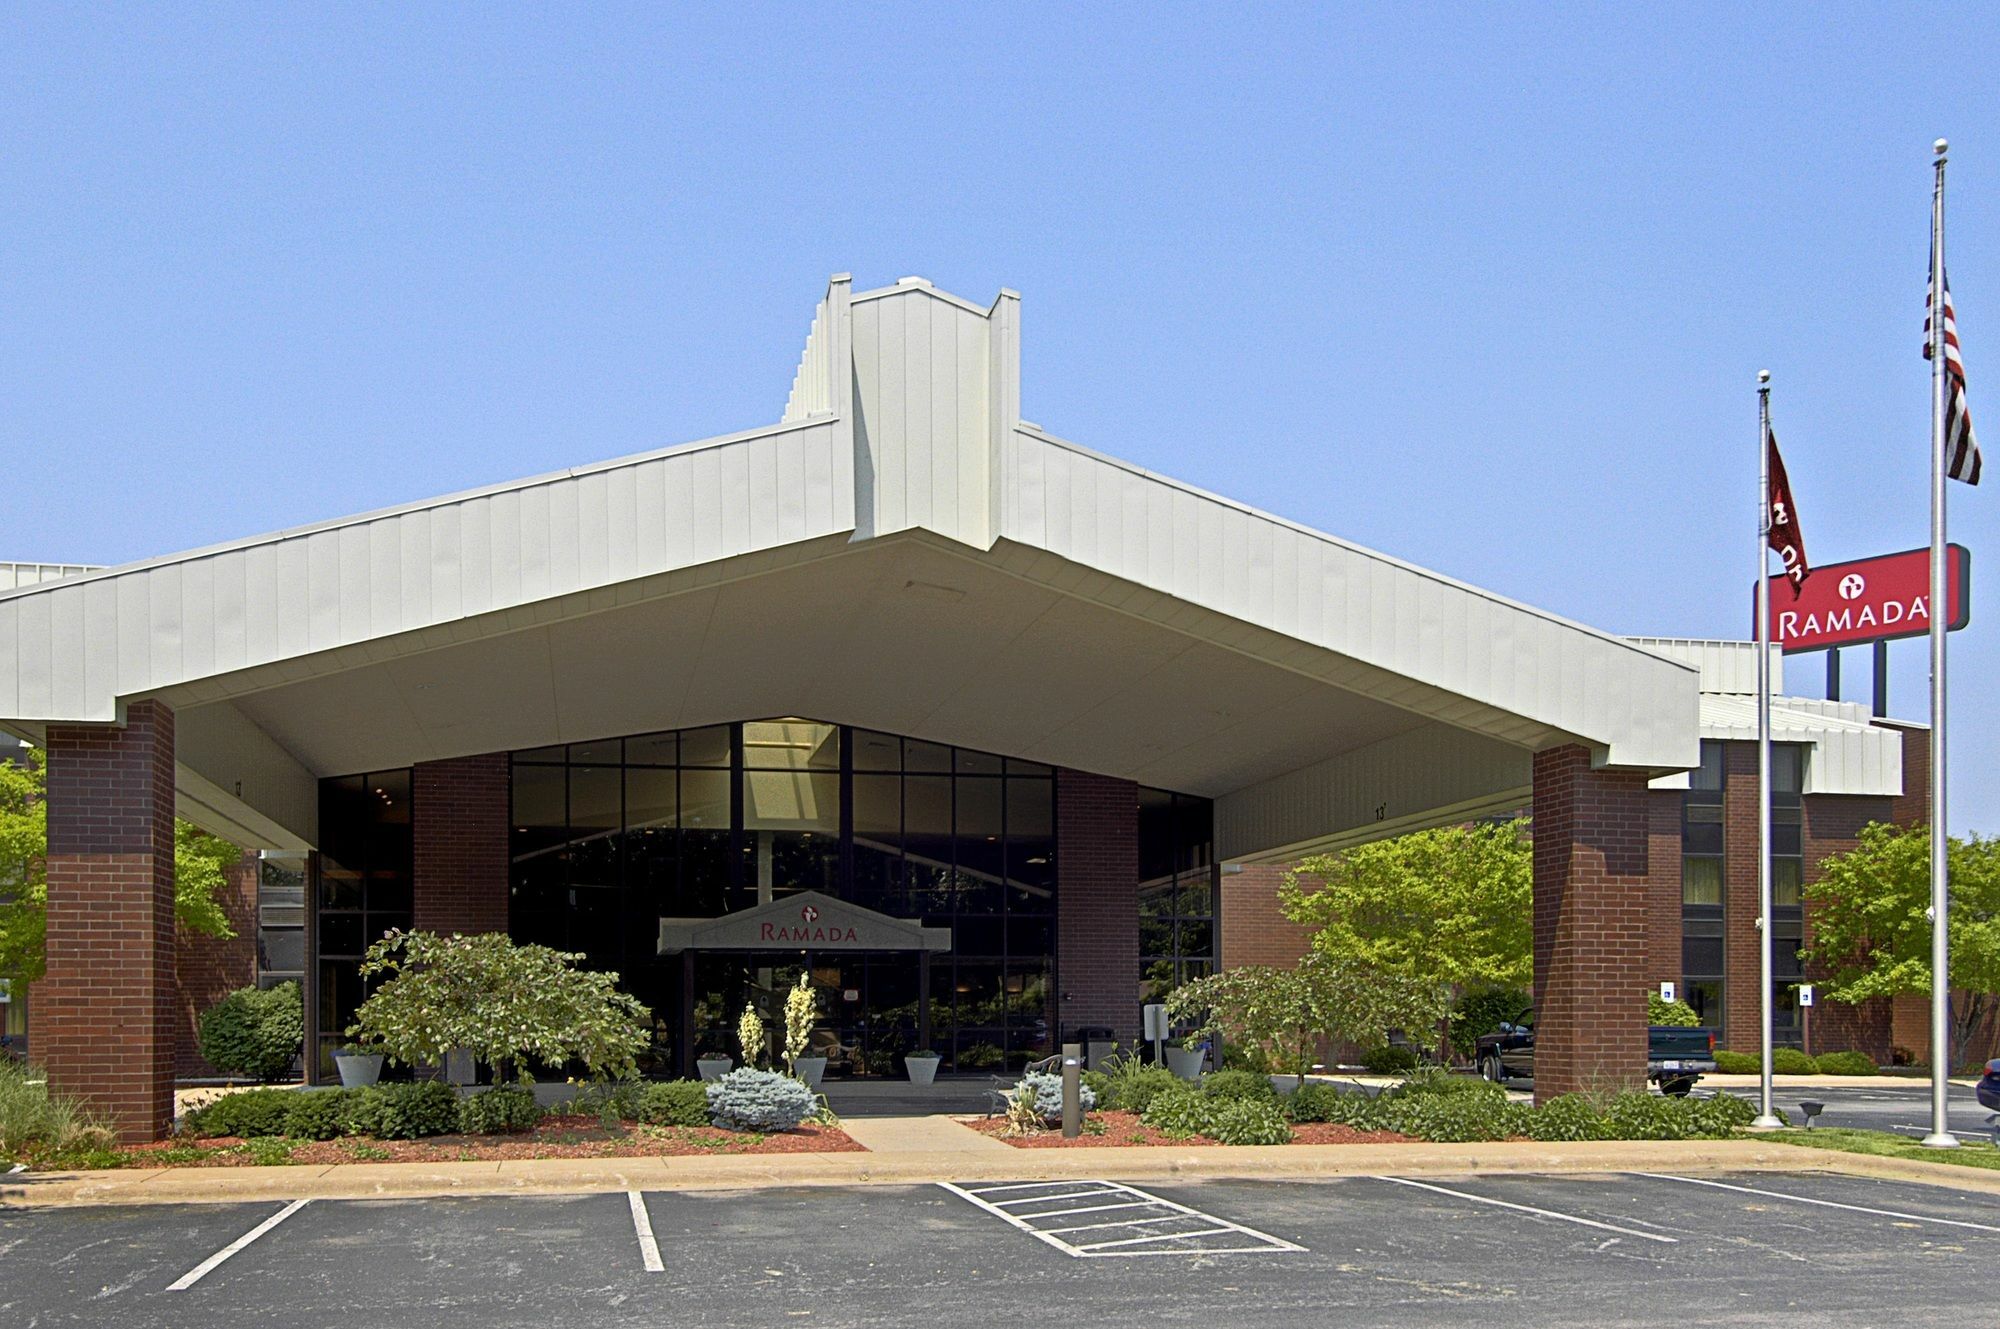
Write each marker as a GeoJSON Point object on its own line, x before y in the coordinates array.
{"type": "Point", "coordinates": [1870, 599]}
{"type": "Point", "coordinates": [805, 921]}
{"type": "Point", "coordinates": [1806, 993]}
{"type": "Point", "coordinates": [1666, 991]}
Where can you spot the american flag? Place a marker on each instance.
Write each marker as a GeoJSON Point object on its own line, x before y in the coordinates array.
{"type": "Point", "coordinates": [1961, 449]}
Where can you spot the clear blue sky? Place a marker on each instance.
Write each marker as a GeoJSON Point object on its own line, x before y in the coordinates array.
{"type": "Point", "coordinates": [1483, 290]}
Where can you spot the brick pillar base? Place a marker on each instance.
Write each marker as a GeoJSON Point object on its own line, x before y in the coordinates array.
{"type": "Point", "coordinates": [105, 1015]}
{"type": "Point", "coordinates": [1097, 903]}
{"type": "Point", "coordinates": [1591, 915]}
{"type": "Point", "coordinates": [459, 844]}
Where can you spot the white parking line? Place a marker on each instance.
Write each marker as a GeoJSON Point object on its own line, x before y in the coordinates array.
{"type": "Point", "coordinates": [642, 1223]}
{"type": "Point", "coordinates": [1166, 1211]}
{"type": "Point", "coordinates": [206, 1267]}
{"type": "Point", "coordinates": [1530, 1209]}
{"type": "Point", "coordinates": [1829, 1204]}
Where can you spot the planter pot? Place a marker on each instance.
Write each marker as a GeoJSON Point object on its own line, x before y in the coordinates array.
{"type": "Point", "coordinates": [713, 1068]}
{"type": "Point", "coordinates": [1185, 1062]}
{"type": "Point", "coordinates": [460, 1068]}
{"type": "Point", "coordinates": [922, 1070]}
{"type": "Point", "coordinates": [358, 1072]}
{"type": "Point", "coordinates": [1285, 1084]}
{"type": "Point", "coordinates": [810, 1069]}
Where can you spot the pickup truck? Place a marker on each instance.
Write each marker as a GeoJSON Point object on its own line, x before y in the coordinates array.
{"type": "Point", "coordinates": [1675, 1057]}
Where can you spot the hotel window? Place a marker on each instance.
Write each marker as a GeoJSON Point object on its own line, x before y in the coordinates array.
{"type": "Point", "coordinates": [363, 891]}
{"type": "Point", "coordinates": [1177, 932]}
{"type": "Point", "coordinates": [1702, 886]}
{"type": "Point", "coordinates": [1787, 886]}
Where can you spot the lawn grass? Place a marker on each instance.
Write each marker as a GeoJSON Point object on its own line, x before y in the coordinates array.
{"type": "Point", "coordinates": [1884, 1144]}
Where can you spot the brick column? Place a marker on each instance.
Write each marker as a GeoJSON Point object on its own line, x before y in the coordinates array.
{"type": "Point", "coordinates": [1591, 915]}
{"type": "Point", "coordinates": [458, 837]}
{"type": "Point", "coordinates": [1097, 902]}
{"type": "Point", "coordinates": [105, 1015]}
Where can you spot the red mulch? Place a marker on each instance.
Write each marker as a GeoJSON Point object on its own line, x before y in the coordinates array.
{"type": "Point", "coordinates": [554, 1138]}
{"type": "Point", "coordinates": [1124, 1129]}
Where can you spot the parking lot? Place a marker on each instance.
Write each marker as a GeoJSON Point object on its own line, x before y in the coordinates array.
{"type": "Point", "coordinates": [1526, 1250]}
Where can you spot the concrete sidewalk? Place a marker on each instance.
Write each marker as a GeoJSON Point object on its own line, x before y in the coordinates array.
{"type": "Point", "coordinates": [940, 1149]}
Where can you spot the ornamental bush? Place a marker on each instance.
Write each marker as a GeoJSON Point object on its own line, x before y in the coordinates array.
{"type": "Point", "coordinates": [1456, 1118]}
{"type": "Point", "coordinates": [752, 1100]}
{"type": "Point", "coordinates": [1181, 1111]}
{"type": "Point", "coordinates": [1846, 1063]}
{"type": "Point", "coordinates": [675, 1103]}
{"type": "Point", "coordinates": [1239, 1085]}
{"type": "Point", "coordinates": [1737, 1063]}
{"type": "Point", "coordinates": [1566, 1117]}
{"type": "Point", "coordinates": [255, 1032]}
{"type": "Point", "coordinates": [1678, 1014]}
{"type": "Point", "coordinates": [501, 1108]}
{"type": "Point", "coordinates": [1246, 1121]}
{"type": "Point", "coordinates": [1133, 1086]}
{"type": "Point", "coordinates": [1316, 1102]}
{"type": "Point", "coordinates": [1637, 1115]}
{"type": "Point", "coordinates": [1721, 1115]}
{"type": "Point", "coordinates": [400, 1111]}
{"type": "Point", "coordinates": [314, 1114]}
{"type": "Point", "coordinates": [1389, 1060]}
{"type": "Point", "coordinates": [1044, 1091]}
{"type": "Point", "coordinates": [1791, 1061]}
{"type": "Point", "coordinates": [251, 1113]}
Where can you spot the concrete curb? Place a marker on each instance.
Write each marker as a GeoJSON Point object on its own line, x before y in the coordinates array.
{"type": "Point", "coordinates": [1192, 1164]}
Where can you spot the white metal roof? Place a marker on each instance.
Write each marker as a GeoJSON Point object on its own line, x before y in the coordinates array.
{"type": "Point", "coordinates": [900, 550]}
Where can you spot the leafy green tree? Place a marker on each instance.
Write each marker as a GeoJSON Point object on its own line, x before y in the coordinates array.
{"type": "Point", "coordinates": [509, 1005]}
{"type": "Point", "coordinates": [1452, 907]}
{"type": "Point", "coordinates": [1678, 1014]}
{"type": "Point", "coordinates": [1283, 1013]}
{"type": "Point", "coordinates": [200, 863]}
{"type": "Point", "coordinates": [1871, 927]}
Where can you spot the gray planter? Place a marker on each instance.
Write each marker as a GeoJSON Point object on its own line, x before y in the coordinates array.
{"type": "Point", "coordinates": [713, 1068]}
{"type": "Point", "coordinates": [1185, 1062]}
{"type": "Point", "coordinates": [358, 1072]}
{"type": "Point", "coordinates": [922, 1070]}
{"type": "Point", "coordinates": [810, 1069]}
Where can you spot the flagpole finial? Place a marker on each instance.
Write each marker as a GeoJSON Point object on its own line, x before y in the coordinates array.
{"type": "Point", "coordinates": [1763, 376]}
{"type": "Point", "coordinates": [1939, 147]}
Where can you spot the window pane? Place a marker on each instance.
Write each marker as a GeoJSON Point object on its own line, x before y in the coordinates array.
{"type": "Point", "coordinates": [1031, 835]}
{"type": "Point", "coordinates": [653, 749]}
{"type": "Point", "coordinates": [1786, 876]}
{"type": "Point", "coordinates": [791, 745]}
{"type": "Point", "coordinates": [1701, 955]}
{"type": "Point", "coordinates": [705, 747]}
{"type": "Point", "coordinates": [1156, 834]}
{"type": "Point", "coordinates": [1701, 881]}
{"type": "Point", "coordinates": [1787, 768]}
{"type": "Point", "coordinates": [877, 752]}
{"type": "Point", "coordinates": [918, 756]}
{"type": "Point", "coordinates": [1709, 775]}
{"type": "Point", "coordinates": [977, 825]}
{"type": "Point", "coordinates": [968, 762]}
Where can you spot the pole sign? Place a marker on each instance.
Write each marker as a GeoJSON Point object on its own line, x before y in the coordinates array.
{"type": "Point", "coordinates": [1870, 599]}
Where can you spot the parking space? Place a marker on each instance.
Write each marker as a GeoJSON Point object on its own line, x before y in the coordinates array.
{"type": "Point", "coordinates": [1515, 1249]}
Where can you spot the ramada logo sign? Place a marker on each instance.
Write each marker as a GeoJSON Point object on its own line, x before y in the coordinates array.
{"type": "Point", "coordinates": [807, 931]}
{"type": "Point", "coordinates": [1874, 599]}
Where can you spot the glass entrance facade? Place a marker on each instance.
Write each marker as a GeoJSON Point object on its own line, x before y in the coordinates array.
{"type": "Point", "coordinates": [609, 837]}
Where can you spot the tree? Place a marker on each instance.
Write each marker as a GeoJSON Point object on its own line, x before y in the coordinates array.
{"type": "Point", "coordinates": [1452, 907]}
{"type": "Point", "coordinates": [1283, 1013]}
{"type": "Point", "coordinates": [507, 1004]}
{"type": "Point", "coordinates": [1872, 934]}
{"type": "Point", "coordinates": [200, 863]}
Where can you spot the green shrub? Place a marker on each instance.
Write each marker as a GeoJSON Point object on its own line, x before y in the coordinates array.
{"type": "Point", "coordinates": [270, 1150]}
{"type": "Point", "coordinates": [1133, 1086]}
{"type": "Point", "coordinates": [1455, 1118]}
{"type": "Point", "coordinates": [609, 1101]}
{"type": "Point", "coordinates": [1099, 1083]}
{"type": "Point", "coordinates": [1316, 1102]}
{"type": "Point", "coordinates": [400, 1111]}
{"type": "Point", "coordinates": [675, 1103]}
{"type": "Point", "coordinates": [1388, 1060]}
{"type": "Point", "coordinates": [1791, 1061]}
{"type": "Point", "coordinates": [1566, 1117]}
{"type": "Point", "coordinates": [1636, 1115]}
{"type": "Point", "coordinates": [1180, 1111]}
{"type": "Point", "coordinates": [254, 1032]}
{"type": "Point", "coordinates": [1846, 1063]}
{"type": "Point", "coordinates": [501, 1108]}
{"type": "Point", "coordinates": [1721, 1115]}
{"type": "Point", "coordinates": [1678, 1014]}
{"type": "Point", "coordinates": [1239, 1085]}
{"type": "Point", "coordinates": [754, 1100]}
{"type": "Point", "coordinates": [1246, 1121]}
{"type": "Point", "coordinates": [315, 1114]}
{"type": "Point", "coordinates": [1447, 1084]}
{"type": "Point", "coordinates": [33, 1119]}
{"type": "Point", "coordinates": [1738, 1063]}
{"type": "Point", "coordinates": [249, 1114]}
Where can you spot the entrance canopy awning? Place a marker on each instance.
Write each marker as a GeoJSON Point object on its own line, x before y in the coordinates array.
{"type": "Point", "coordinates": [807, 921]}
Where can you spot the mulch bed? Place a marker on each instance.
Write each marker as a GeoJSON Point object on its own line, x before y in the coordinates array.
{"type": "Point", "coordinates": [557, 1138]}
{"type": "Point", "coordinates": [1124, 1129]}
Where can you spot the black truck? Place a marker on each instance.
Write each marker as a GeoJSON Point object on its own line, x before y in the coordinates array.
{"type": "Point", "coordinates": [1675, 1056]}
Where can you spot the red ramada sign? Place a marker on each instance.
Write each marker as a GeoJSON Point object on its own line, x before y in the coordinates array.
{"type": "Point", "coordinates": [1870, 599]}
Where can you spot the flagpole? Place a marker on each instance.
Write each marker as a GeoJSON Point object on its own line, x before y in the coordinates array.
{"type": "Point", "coordinates": [1765, 1116]}
{"type": "Point", "coordinates": [1940, 614]}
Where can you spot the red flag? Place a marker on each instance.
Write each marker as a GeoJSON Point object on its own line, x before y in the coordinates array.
{"type": "Point", "coordinates": [1782, 519]}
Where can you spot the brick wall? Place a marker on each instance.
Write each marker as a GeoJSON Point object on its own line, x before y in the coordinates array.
{"type": "Point", "coordinates": [106, 1015]}
{"type": "Point", "coordinates": [459, 844]}
{"type": "Point", "coordinates": [1591, 924]}
{"type": "Point", "coordinates": [1663, 889]}
{"type": "Point", "coordinates": [1097, 902]}
{"type": "Point", "coordinates": [1254, 931]}
{"type": "Point", "coordinates": [208, 968]}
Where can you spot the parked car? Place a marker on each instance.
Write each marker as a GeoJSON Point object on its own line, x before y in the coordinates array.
{"type": "Point", "coordinates": [1988, 1087]}
{"type": "Point", "coordinates": [1675, 1056]}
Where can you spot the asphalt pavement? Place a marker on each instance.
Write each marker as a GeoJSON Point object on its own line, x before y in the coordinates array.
{"type": "Point", "coordinates": [1899, 1105]}
{"type": "Point", "coordinates": [1615, 1250]}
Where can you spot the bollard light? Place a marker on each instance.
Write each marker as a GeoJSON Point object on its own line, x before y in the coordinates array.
{"type": "Point", "coordinates": [1811, 1109]}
